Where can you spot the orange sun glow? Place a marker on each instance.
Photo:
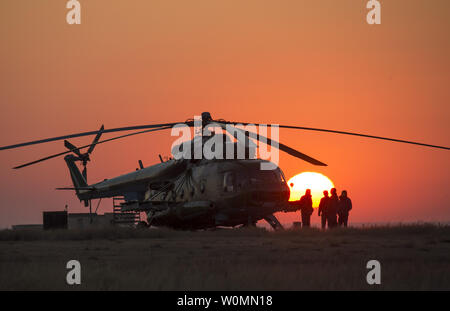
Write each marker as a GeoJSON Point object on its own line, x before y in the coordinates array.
{"type": "Point", "coordinates": [309, 180]}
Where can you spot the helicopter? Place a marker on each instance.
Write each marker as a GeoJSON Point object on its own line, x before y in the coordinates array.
{"type": "Point", "coordinates": [187, 192]}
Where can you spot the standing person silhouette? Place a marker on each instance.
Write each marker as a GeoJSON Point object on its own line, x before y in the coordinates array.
{"type": "Point", "coordinates": [332, 209]}
{"type": "Point", "coordinates": [345, 205]}
{"type": "Point", "coordinates": [306, 208]}
{"type": "Point", "coordinates": [323, 206]}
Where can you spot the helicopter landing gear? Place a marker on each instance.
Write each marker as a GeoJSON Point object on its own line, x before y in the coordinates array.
{"type": "Point", "coordinates": [273, 221]}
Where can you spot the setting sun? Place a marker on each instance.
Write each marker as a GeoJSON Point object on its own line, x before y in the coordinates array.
{"type": "Point", "coordinates": [309, 180]}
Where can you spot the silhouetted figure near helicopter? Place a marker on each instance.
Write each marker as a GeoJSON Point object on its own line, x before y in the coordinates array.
{"type": "Point", "coordinates": [333, 206]}
{"type": "Point", "coordinates": [345, 205]}
{"type": "Point", "coordinates": [306, 208]}
{"type": "Point", "coordinates": [323, 207]}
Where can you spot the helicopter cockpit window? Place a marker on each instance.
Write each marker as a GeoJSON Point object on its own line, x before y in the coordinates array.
{"type": "Point", "coordinates": [228, 182]}
{"type": "Point", "coordinates": [262, 176]}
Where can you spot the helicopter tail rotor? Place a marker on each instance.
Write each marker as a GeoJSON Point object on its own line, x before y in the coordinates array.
{"type": "Point", "coordinates": [84, 157]}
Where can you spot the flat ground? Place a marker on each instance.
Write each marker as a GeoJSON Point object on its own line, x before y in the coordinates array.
{"type": "Point", "coordinates": [413, 257]}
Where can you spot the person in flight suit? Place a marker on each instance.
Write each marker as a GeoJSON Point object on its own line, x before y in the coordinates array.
{"type": "Point", "coordinates": [306, 208]}
{"type": "Point", "coordinates": [333, 205]}
{"type": "Point", "coordinates": [323, 206]}
{"type": "Point", "coordinates": [345, 205]}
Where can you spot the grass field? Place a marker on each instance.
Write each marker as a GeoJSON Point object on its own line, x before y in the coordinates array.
{"type": "Point", "coordinates": [415, 257]}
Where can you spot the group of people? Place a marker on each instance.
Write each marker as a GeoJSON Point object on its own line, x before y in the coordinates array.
{"type": "Point", "coordinates": [333, 210]}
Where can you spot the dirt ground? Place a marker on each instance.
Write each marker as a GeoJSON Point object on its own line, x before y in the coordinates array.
{"type": "Point", "coordinates": [413, 257]}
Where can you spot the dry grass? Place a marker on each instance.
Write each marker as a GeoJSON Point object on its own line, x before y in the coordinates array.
{"type": "Point", "coordinates": [412, 257]}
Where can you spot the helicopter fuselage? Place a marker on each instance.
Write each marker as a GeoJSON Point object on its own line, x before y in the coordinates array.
{"type": "Point", "coordinates": [222, 193]}
{"type": "Point", "coordinates": [188, 194]}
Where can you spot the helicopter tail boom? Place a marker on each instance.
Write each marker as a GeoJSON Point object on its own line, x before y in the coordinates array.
{"type": "Point", "coordinates": [79, 182]}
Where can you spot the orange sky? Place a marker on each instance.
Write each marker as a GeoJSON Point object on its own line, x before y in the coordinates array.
{"type": "Point", "coordinates": [312, 63]}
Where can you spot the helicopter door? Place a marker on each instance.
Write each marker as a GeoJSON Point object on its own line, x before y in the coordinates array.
{"type": "Point", "coordinates": [228, 182]}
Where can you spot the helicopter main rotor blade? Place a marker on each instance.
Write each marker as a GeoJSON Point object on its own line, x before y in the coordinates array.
{"type": "Point", "coordinates": [350, 133]}
{"type": "Point", "coordinates": [281, 146]}
{"type": "Point", "coordinates": [72, 148]}
{"type": "Point", "coordinates": [118, 129]}
{"type": "Point", "coordinates": [96, 139]}
{"type": "Point", "coordinates": [86, 146]}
